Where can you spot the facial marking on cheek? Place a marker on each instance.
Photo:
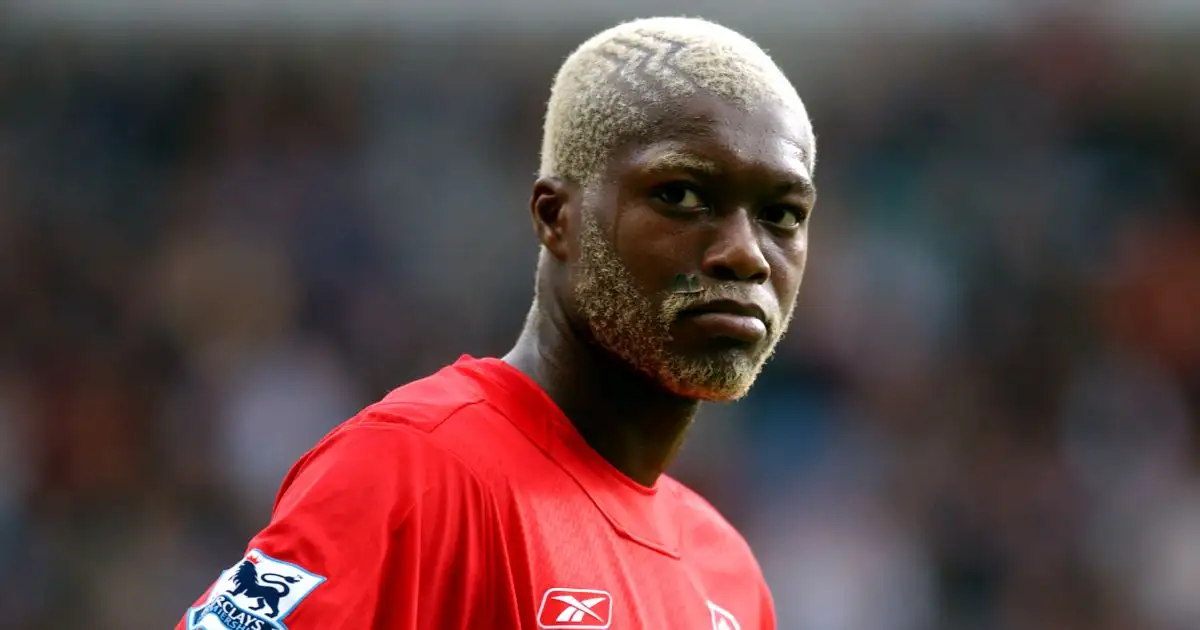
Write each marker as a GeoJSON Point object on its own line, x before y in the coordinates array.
{"type": "Point", "coordinates": [686, 284]}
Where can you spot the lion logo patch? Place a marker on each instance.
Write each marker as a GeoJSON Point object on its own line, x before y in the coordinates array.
{"type": "Point", "coordinates": [254, 594]}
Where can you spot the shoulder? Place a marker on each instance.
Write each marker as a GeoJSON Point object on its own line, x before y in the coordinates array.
{"type": "Point", "coordinates": [405, 448]}
{"type": "Point", "coordinates": [421, 418]}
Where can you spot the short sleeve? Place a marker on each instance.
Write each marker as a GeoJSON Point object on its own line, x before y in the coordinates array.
{"type": "Point", "coordinates": [376, 527]}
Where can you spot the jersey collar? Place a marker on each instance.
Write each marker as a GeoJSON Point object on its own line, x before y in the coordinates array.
{"type": "Point", "coordinates": [638, 513]}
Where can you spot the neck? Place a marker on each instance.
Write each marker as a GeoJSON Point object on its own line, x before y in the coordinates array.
{"type": "Point", "coordinates": [626, 417]}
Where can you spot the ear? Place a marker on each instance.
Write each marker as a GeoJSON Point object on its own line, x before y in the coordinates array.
{"type": "Point", "coordinates": [549, 206]}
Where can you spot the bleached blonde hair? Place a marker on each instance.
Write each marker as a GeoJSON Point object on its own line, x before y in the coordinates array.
{"type": "Point", "coordinates": [604, 91]}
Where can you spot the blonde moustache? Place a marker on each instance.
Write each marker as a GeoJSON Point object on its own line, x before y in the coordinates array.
{"type": "Point", "coordinates": [676, 303]}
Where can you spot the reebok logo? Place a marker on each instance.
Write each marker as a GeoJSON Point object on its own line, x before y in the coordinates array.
{"type": "Point", "coordinates": [575, 608]}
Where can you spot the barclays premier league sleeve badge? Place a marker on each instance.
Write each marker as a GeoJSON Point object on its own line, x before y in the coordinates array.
{"type": "Point", "coordinates": [255, 594]}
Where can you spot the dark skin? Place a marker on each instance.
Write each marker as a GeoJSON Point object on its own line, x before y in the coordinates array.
{"type": "Point", "coordinates": [733, 208]}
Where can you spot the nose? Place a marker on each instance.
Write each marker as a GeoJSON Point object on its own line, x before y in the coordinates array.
{"type": "Point", "coordinates": [735, 254]}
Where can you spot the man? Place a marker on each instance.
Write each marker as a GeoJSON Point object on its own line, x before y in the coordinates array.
{"type": "Point", "coordinates": [528, 491]}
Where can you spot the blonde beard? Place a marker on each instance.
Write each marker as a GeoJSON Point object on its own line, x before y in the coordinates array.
{"type": "Point", "coordinates": [628, 324]}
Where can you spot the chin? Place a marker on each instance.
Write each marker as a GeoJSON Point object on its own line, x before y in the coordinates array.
{"type": "Point", "coordinates": [714, 395]}
{"type": "Point", "coordinates": [708, 382]}
{"type": "Point", "coordinates": [707, 393]}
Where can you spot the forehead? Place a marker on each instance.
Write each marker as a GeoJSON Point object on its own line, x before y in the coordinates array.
{"type": "Point", "coordinates": [707, 134]}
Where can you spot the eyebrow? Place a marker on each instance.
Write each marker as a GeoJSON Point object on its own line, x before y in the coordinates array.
{"type": "Point", "coordinates": [686, 161]}
{"type": "Point", "coordinates": [682, 160]}
{"type": "Point", "coordinates": [802, 186]}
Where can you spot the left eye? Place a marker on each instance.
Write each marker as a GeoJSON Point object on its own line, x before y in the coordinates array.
{"type": "Point", "coordinates": [783, 216]}
{"type": "Point", "coordinates": [680, 195]}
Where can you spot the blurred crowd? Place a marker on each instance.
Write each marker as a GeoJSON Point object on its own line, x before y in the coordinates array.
{"type": "Point", "coordinates": [985, 418]}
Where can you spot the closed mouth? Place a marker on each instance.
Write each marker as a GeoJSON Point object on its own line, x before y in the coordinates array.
{"type": "Point", "coordinates": [731, 307]}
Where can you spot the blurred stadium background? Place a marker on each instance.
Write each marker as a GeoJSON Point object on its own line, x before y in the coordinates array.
{"type": "Point", "coordinates": [225, 226]}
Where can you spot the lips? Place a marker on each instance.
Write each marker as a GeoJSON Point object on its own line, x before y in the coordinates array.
{"type": "Point", "coordinates": [729, 307]}
{"type": "Point", "coordinates": [739, 321]}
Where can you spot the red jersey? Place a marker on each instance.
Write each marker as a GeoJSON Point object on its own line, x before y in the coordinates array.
{"type": "Point", "coordinates": [467, 500]}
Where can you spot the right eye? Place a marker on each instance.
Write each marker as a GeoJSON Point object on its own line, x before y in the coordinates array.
{"type": "Point", "coordinates": [680, 195]}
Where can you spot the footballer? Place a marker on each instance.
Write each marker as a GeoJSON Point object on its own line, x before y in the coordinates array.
{"type": "Point", "coordinates": [527, 491]}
